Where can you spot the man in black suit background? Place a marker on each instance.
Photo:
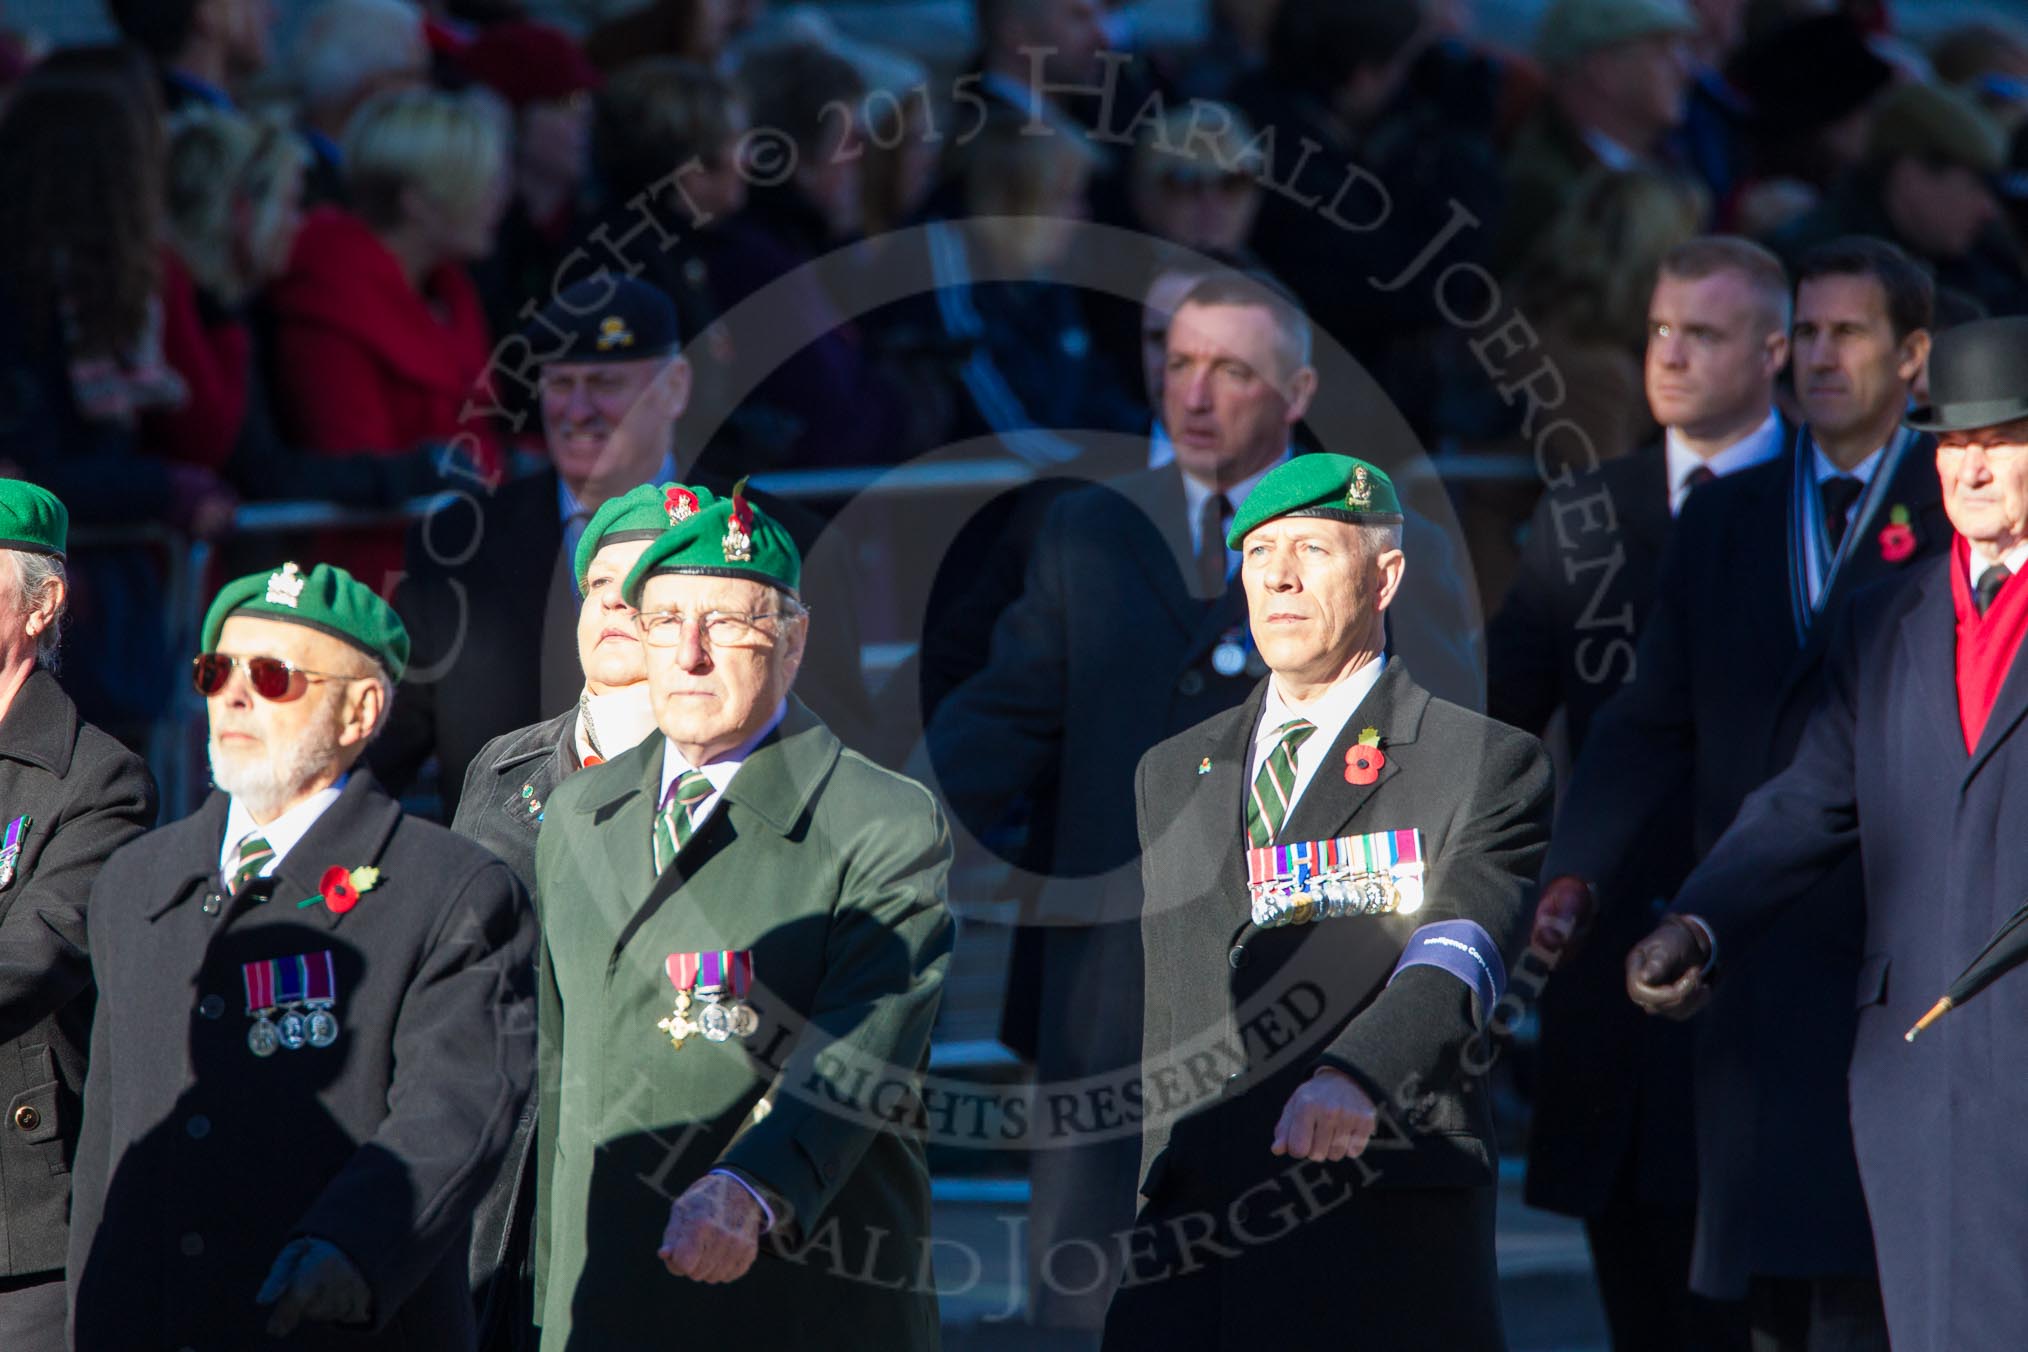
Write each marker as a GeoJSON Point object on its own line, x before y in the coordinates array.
{"type": "Point", "coordinates": [1611, 1141]}
{"type": "Point", "coordinates": [491, 594]}
{"type": "Point", "coordinates": [1333, 871]}
{"type": "Point", "coordinates": [1726, 672]}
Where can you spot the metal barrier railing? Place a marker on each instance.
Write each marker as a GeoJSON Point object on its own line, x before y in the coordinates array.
{"type": "Point", "coordinates": [176, 755]}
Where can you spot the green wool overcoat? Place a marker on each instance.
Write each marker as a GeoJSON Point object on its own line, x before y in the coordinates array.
{"type": "Point", "coordinates": [832, 871]}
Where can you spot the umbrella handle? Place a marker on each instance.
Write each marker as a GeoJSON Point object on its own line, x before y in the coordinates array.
{"type": "Point", "coordinates": [1936, 1011]}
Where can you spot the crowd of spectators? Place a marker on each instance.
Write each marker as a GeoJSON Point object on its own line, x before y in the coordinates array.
{"type": "Point", "coordinates": [243, 260]}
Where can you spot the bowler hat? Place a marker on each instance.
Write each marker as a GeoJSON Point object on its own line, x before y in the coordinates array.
{"type": "Point", "coordinates": [1978, 377]}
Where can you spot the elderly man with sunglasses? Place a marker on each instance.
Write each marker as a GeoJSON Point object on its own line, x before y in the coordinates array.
{"type": "Point", "coordinates": [745, 936]}
{"type": "Point", "coordinates": [314, 1024]}
{"type": "Point", "coordinates": [69, 796]}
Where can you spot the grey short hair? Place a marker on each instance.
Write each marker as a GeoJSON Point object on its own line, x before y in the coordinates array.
{"type": "Point", "coordinates": [34, 574]}
{"type": "Point", "coordinates": [344, 46]}
{"type": "Point", "coordinates": [1378, 539]}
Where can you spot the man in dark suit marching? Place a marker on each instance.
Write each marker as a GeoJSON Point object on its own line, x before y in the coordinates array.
{"type": "Point", "coordinates": [1914, 759]}
{"type": "Point", "coordinates": [69, 796]}
{"type": "Point", "coordinates": [314, 1019]}
{"type": "Point", "coordinates": [1333, 871]}
{"type": "Point", "coordinates": [1760, 565]}
{"type": "Point", "coordinates": [1611, 1138]}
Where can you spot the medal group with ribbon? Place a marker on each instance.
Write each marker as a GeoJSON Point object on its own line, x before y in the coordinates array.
{"type": "Point", "coordinates": [10, 848]}
{"type": "Point", "coordinates": [290, 1001]}
{"type": "Point", "coordinates": [1377, 874]}
{"type": "Point", "coordinates": [711, 990]}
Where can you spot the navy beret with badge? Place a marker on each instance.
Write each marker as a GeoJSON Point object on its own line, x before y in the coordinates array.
{"type": "Point", "coordinates": [606, 318]}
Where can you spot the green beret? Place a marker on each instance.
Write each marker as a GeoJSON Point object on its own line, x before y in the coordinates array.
{"type": "Point", "coordinates": [32, 518]}
{"type": "Point", "coordinates": [324, 598]}
{"type": "Point", "coordinates": [724, 537]}
{"type": "Point", "coordinates": [1919, 121]}
{"type": "Point", "coordinates": [1336, 487]}
{"type": "Point", "coordinates": [1574, 28]}
{"type": "Point", "coordinates": [639, 514]}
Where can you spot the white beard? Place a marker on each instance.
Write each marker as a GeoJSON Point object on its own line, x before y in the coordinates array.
{"type": "Point", "coordinates": [266, 784]}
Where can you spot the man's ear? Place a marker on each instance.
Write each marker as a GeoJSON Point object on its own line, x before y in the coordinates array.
{"type": "Point", "coordinates": [1302, 388]}
{"type": "Point", "coordinates": [365, 704]}
{"type": "Point", "coordinates": [1914, 355]}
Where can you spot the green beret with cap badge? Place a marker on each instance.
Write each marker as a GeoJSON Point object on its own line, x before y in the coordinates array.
{"type": "Point", "coordinates": [325, 598]}
{"type": "Point", "coordinates": [1335, 487]}
{"type": "Point", "coordinates": [723, 537]}
{"type": "Point", "coordinates": [32, 518]}
{"type": "Point", "coordinates": [642, 513]}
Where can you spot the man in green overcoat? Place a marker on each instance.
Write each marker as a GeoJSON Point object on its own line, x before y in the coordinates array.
{"type": "Point", "coordinates": [745, 941]}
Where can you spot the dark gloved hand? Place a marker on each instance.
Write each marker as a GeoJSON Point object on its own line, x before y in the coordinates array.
{"type": "Point", "coordinates": [1665, 971]}
{"type": "Point", "coordinates": [313, 1282]}
{"type": "Point", "coordinates": [1563, 913]}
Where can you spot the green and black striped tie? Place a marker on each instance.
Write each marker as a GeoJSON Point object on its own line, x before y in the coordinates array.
{"type": "Point", "coordinates": [1273, 788]}
{"type": "Point", "coordinates": [673, 824]}
{"type": "Point", "coordinates": [247, 861]}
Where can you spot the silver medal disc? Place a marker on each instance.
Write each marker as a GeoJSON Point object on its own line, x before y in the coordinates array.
{"type": "Point", "coordinates": [715, 1023]}
{"type": "Point", "coordinates": [293, 1030]}
{"type": "Point", "coordinates": [323, 1028]}
{"type": "Point", "coordinates": [745, 1023]}
{"type": "Point", "coordinates": [261, 1039]}
{"type": "Point", "coordinates": [1228, 659]}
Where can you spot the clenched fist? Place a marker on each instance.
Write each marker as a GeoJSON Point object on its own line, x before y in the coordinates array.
{"type": "Point", "coordinates": [1563, 913]}
{"type": "Point", "coordinates": [714, 1231]}
{"type": "Point", "coordinates": [1328, 1118]}
{"type": "Point", "coordinates": [1665, 971]}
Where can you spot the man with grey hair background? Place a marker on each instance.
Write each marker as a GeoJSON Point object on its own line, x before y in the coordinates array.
{"type": "Point", "coordinates": [345, 52]}
{"type": "Point", "coordinates": [69, 796]}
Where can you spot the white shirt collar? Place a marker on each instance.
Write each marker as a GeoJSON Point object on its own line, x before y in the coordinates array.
{"type": "Point", "coordinates": [719, 772]}
{"type": "Point", "coordinates": [1762, 444]}
{"type": "Point", "coordinates": [282, 833]}
{"type": "Point", "coordinates": [1196, 494]}
{"type": "Point", "coordinates": [1826, 468]}
{"type": "Point", "coordinates": [1330, 714]}
{"type": "Point", "coordinates": [2015, 560]}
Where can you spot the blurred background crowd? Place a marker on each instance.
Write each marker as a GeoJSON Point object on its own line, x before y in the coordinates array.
{"type": "Point", "coordinates": [263, 249]}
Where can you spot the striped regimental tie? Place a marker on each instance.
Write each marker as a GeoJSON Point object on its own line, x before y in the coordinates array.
{"type": "Point", "coordinates": [1268, 805]}
{"type": "Point", "coordinates": [674, 824]}
{"type": "Point", "coordinates": [247, 861]}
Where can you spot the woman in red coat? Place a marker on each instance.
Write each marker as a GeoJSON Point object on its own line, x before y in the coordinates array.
{"type": "Point", "coordinates": [381, 343]}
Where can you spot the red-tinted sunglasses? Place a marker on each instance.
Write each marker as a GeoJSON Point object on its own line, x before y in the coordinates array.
{"type": "Point", "coordinates": [271, 677]}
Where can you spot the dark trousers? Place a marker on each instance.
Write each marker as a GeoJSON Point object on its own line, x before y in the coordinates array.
{"type": "Point", "coordinates": [1823, 1314]}
{"type": "Point", "coordinates": [31, 1313]}
{"type": "Point", "coordinates": [1640, 1252]}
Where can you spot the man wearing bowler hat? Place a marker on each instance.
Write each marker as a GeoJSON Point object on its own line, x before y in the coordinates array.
{"type": "Point", "coordinates": [314, 1020]}
{"type": "Point", "coordinates": [1915, 760]}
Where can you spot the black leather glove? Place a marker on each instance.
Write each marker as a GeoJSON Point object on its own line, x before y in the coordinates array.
{"type": "Point", "coordinates": [313, 1282]}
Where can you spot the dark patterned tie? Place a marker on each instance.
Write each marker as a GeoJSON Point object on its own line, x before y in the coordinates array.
{"type": "Point", "coordinates": [1989, 586]}
{"type": "Point", "coordinates": [1698, 477]}
{"type": "Point", "coordinates": [1211, 559]}
{"type": "Point", "coordinates": [1267, 807]}
{"type": "Point", "coordinates": [1839, 491]}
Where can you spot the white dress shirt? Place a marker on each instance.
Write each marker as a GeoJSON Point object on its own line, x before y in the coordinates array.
{"type": "Point", "coordinates": [1762, 444]}
{"type": "Point", "coordinates": [1827, 468]}
{"type": "Point", "coordinates": [2015, 560]}
{"type": "Point", "coordinates": [1330, 713]}
{"type": "Point", "coordinates": [720, 772]}
{"type": "Point", "coordinates": [281, 834]}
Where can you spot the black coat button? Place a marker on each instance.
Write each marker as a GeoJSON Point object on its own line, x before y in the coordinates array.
{"type": "Point", "coordinates": [26, 1118]}
{"type": "Point", "coordinates": [211, 1007]}
{"type": "Point", "coordinates": [1237, 957]}
{"type": "Point", "coordinates": [1191, 683]}
{"type": "Point", "coordinates": [212, 903]}
{"type": "Point", "coordinates": [199, 1127]}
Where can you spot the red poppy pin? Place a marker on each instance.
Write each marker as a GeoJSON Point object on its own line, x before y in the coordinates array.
{"type": "Point", "coordinates": [1897, 537]}
{"type": "Point", "coordinates": [1364, 760]}
{"type": "Point", "coordinates": [340, 887]}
